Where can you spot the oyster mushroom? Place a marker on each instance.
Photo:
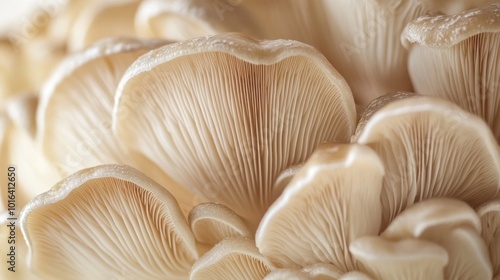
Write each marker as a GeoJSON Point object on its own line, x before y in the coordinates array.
{"type": "Point", "coordinates": [421, 141]}
{"type": "Point", "coordinates": [489, 214]}
{"type": "Point", "coordinates": [108, 221]}
{"type": "Point", "coordinates": [232, 258]}
{"type": "Point", "coordinates": [225, 115]}
{"type": "Point", "coordinates": [411, 259]}
{"type": "Point", "coordinates": [325, 207]}
{"type": "Point", "coordinates": [454, 226]}
{"type": "Point", "coordinates": [74, 115]}
{"type": "Point", "coordinates": [457, 57]}
{"type": "Point", "coordinates": [287, 274]}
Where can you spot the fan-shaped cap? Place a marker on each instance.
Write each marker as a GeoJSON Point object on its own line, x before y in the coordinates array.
{"type": "Point", "coordinates": [213, 222]}
{"type": "Point", "coordinates": [326, 206]}
{"type": "Point", "coordinates": [224, 115]}
{"type": "Point", "coordinates": [457, 58]}
{"type": "Point", "coordinates": [431, 219]}
{"type": "Point", "coordinates": [410, 259]}
{"type": "Point", "coordinates": [451, 224]}
{"type": "Point", "coordinates": [489, 214]}
{"type": "Point", "coordinates": [108, 221]}
{"type": "Point", "coordinates": [431, 148]}
{"type": "Point", "coordinates": [232, 258]}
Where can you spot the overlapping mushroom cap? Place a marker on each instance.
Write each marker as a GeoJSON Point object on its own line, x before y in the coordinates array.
{"type": "Point", "coordinates": [225, 115]}
{"type": "Point", "coordinates": [457, 57]}
{"type": "Point", "coordinates": [242, 122]}
{"type": "Point", "coordinates": [430, 148]}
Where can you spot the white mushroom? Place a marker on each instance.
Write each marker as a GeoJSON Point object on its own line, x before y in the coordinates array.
{"type": "Point", "coordinates": [325, 207]}
{"type": "Point", "coordinates": [453, 225]}
{"type": "Point", "coordinates": [225, 115]}
{"type": "Point", "coordinates": [430, 148]}
{"type": "Point", "coordinates": [104, 222]}
{"type": "Point", "coordinates": [409, 259]}
{"type": "Point", "coordinates": [457, 57]}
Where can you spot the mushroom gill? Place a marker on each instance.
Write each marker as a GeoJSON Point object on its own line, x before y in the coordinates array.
{"type": "Point", "coordinates": [325, 207]}
{"type": "Point", "coordinates": [430, 148]}
{"type": "Point", "coordinates": [225, 115]}
{"type": "Point", "coordinates": [104, 222]}
{"type": "Point", "coordinates": [457, 57]}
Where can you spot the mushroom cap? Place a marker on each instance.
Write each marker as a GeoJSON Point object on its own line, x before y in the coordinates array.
{"type": "Point", "coordinates": [453, 225]}
{"type": "Point", "coordinates": [457, 58]}
{"type": "Point", "coordinates": [444, 31]}
{"type": "Point", "coordinates": [431, 148]}
{"type": "Point", "coordinates": [410, 259]}
{"type": "Point", "coordinates": [225, 114]}
{"type": "Point", "coordinates": [431, 219]}
{"type": "Point", "coordinates": [213, 222]}
{"type": "Point", "coordinates": [232, 258]}
{"type": "Point", "coordinates": [108, 221]}
{"type": "Point", "coordinates": [325, 207]}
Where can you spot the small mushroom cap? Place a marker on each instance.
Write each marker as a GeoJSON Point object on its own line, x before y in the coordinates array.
{"type": "Point", "coordinates": [108, 221]}
{"type": "Point", "coordinates": [324, 208]}
{"type": "Point", "coordinates": [225, 115]}
{"type": "Point", "coordinates": [213, 222]}
{"type": "Point", "coordinates": [431, 148]}
{"type": "Point", "coordinates": [489, 213]}
{"type": "Point", "coordinates": [431, 218]}
{"type": "Point", "coordinates": [453, 225]}
{"type": "Point", "coordinates": [410, 259]}
{"type": "Point", "coordinates": [232, 258]}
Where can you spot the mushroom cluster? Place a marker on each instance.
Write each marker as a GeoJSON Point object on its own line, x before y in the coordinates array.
{"type": "Point", "coordinates": [230, 139]}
